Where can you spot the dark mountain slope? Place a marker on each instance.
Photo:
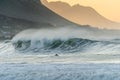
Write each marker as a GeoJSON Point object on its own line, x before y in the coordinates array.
{"type": "Point", "coordinates": [17, 15]}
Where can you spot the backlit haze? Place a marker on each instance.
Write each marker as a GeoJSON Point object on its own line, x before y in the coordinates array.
{"type": "Point", "coordinates": [107, 8]}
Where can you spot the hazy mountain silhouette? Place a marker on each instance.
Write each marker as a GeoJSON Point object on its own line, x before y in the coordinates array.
{"type": "Point", "coordinates": [81, 15]}
{"type": "Point", "coordinates": [17, 15]}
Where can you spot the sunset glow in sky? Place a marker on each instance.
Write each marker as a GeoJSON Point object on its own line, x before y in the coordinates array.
{"type": "Point", "coordinates": [108, 8]}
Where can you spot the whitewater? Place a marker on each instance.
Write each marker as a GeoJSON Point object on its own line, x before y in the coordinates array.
{"type": "Point", "coordinates": [83, 54]}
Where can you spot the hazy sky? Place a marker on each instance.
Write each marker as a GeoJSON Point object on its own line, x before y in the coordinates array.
{"type": "Point", "coordinates": [108, 8]}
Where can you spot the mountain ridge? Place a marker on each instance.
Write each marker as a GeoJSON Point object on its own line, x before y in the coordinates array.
{"type": "Point", "coordinates": [30, 10]}
{"type": "Point", "coordinates": [81, 14]}
{"type": "Point", "coordinates": [18, 15]}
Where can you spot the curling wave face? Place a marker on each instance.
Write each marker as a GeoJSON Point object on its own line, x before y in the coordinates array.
{"type": "Point", "coordinates": [67, 46]}
{"type": "Point", "coordinates": [67, 41]}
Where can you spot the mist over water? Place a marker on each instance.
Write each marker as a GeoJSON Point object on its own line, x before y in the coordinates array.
{"type": "Point", "coordinates": [64, 40]}
{"type": "Point", "coordinates": [65, 33]}
{"type": "Point", "coordinates": [68, 40]}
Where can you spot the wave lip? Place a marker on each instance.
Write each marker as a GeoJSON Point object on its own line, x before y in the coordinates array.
{"type": "Point", "coordinates": [67, 40]}
{"type": "Point", "coordinates": [70, 45]}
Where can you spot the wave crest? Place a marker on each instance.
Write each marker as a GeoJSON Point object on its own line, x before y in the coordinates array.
{"type": "Point", "coordinates": [67, 40]}
{"type": "Point", "coordinates": [69, 45]}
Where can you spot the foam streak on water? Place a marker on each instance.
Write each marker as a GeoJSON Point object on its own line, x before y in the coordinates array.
{"type": "Point", "coordinates": [60, 72]}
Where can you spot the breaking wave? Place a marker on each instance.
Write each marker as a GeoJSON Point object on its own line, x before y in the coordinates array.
{"type": "Point", "coordinates": [66, 41]}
